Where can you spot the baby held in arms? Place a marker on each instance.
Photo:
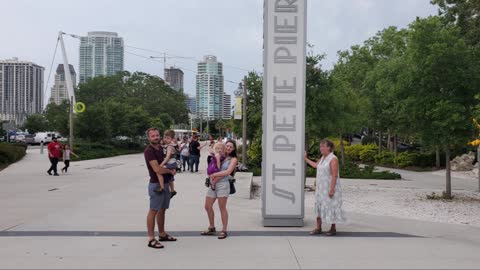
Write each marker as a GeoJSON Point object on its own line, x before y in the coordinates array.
{"type": "Point", "coordinates": [218, 156]}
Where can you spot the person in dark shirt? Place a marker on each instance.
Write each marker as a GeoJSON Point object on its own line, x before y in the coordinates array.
{"type": "Point", "coordinates": [159, 201]}
{"type": "Point", "coordinates": [194, 153]}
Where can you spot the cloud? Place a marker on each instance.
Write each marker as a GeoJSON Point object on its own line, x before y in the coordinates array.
{"type": "Point", "coordinates": [231, 30]}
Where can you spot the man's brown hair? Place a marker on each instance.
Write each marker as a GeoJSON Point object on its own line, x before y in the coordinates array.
{"type": "Point", "coordinates": [150, 129]}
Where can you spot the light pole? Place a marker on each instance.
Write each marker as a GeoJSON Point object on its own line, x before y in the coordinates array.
{"type": "Point", "coordinates": [68, 83]}
{"type": "Point", "coordinates": [244, 122]}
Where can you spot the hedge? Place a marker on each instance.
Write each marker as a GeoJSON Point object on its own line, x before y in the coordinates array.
{"type": "Point", "coordinates": [11, 152]}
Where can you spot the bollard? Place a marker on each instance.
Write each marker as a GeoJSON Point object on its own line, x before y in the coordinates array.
{"type": "Point", "coordinates": [41, 148]}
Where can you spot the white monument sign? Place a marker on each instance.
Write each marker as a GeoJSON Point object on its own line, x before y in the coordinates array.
{"type": "Point", "coordinates": [283, 112]}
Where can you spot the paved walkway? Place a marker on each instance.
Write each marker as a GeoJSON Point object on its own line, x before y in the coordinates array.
{"type": "Point", "coordinates": [94, 217]}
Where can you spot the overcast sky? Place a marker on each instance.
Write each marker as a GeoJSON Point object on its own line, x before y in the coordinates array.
{"type": "Point", "coordinates": [229, 29]}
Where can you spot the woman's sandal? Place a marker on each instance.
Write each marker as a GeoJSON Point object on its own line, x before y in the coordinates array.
{"type": "Point", "coordinates": [155, 244]}
{"type": "Point", "coordinates": [316, 231]}
{"type": "Point", "coordinates": [167, 238]}
{"type": "Point", "coordinates": [210, 231]}
{"type": "Point", "coordinates": [223, 235]}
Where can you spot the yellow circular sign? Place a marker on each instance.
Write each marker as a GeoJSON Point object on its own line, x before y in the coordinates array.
{"type": "Point", "coordinates": [79, 107]}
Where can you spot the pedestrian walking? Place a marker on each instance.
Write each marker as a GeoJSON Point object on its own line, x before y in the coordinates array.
{"type": "Point", "coordinates": [66, 157]}
{"type": "Point", "coordinates": [54, 148]}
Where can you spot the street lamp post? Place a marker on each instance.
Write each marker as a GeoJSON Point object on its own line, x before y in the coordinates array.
{"type": "Point", "coordinates": [244, 122]}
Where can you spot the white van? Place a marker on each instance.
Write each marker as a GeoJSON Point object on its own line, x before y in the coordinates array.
{"type": "Point", "coordinates": [44, 137]}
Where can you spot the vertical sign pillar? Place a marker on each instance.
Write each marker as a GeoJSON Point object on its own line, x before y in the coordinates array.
{"type": "Point", "coordinates": [283, 112]}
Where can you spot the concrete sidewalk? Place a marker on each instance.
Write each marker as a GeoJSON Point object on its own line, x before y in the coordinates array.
{"type": "Point", "coordinates": [94, 217]}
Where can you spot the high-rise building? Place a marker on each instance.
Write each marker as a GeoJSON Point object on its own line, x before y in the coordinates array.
{"type": "Point", "coordinates": [209, 88]}
{"type": "Point", "coordinates": [174, 77]}
{"type": "Point", "coordinates": [191, 104]}
{"type": "Point", "coordinates": [227, 106]}
{"type": "Point", "coordinates": [59, 89]}
{"type": "Point", "coordinates": [21, 90]}
{"type": "Point", "coordinates": [101, 54]}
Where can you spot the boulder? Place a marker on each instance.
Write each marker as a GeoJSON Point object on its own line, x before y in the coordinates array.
{"type": "Point", "coordinates": [463, 162]}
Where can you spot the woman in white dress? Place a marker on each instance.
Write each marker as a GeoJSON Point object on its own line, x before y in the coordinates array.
{"type": "Point", "coordinates": [328, 192]}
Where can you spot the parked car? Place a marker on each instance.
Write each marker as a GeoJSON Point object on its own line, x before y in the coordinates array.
{"type": "Point", "coordinates": [20, 138]}
{"type": "Point", "coordinates": [30, 139]}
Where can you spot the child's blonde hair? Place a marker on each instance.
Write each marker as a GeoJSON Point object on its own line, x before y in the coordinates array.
{"type": "Point", "coordinates": [217, 146]}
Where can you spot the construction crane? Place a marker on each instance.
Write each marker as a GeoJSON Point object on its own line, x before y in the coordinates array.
{"type": "Point", "coordinates": [164, 57]}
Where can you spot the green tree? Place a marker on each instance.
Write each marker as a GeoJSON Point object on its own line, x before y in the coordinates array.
{"type": "Point", "coordinates": [58, 117]}
{"type": "Point", "coordinates": [465, 15]}
{"type": "Point", "coordinates": [442, 81]}
{"type": "Point", "coordinates": [35, 123]}
{"type": "Point", "coordinates": [94, 124]}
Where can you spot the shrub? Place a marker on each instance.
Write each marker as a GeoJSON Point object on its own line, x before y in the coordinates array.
{"type": "Point", "coordinates": [405, 159]}
{"type": "Point", "coordinates": [385, 158]}
{"type": "Point", "coordinates": [10, 153]}
{"type": "Point", "coordinates": [353, 152]}
{"type": "Point", "coordinates": [336, 142]}
{"type": "Point", "coordinates": [254, 154]}
{"type": "Point", "coordinates": [98, 150]}
{"type": "Point", "coordinates": [311, 172]}
{"type": "Point", "coordinates": [367, 154]}
{"type": "Point", "coordinates": [351, 170]}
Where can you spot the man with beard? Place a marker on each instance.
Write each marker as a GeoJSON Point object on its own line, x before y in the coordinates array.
{"type": "Point", "coordinates": [54, 148]}
{"type": "Point", "coordinates": [159, 201]}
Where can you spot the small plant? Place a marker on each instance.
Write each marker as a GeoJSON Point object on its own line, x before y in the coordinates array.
{"type": "Point", "coordinates": [435, 196]}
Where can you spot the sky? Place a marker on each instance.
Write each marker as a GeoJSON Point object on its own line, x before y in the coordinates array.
{"type": "Point", "coordinates": [232, 30]}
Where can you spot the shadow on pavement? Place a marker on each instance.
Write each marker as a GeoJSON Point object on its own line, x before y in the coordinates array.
{"type": "Point", "coordinates": [197, 234]}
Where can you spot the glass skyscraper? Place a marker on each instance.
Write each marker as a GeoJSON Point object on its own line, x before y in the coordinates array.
{"type": "Point", "coordinates": [209, 88]}
{"type": "Point", "coordinates": [101, 54]}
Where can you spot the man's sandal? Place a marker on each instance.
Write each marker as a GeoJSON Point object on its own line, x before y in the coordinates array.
{"type": "Point", "coordinates": [155, 244]}
{"type": "Point", "coordinates": [316, 231]}
{"type": "Point", "coordinates": [173, 193]}
{"type": "Point", "coordinates": [167, 238]}
{"type": "Point", "coordinates": [223, 235]}
{"type": "Point", "coordinates": [210, 231]}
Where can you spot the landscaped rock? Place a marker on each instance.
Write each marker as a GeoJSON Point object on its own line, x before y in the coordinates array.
{"type": "Point", "coordinates": [463, 162]}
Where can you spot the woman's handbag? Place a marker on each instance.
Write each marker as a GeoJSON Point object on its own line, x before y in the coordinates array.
{"type": "Point", "coordinates": [232, 185]}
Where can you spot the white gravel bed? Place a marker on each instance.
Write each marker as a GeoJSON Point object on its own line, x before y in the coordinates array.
{"type": "Point", "coordinates": [413, 204]}
{"type": "Point", "coordinates": [405, 203]}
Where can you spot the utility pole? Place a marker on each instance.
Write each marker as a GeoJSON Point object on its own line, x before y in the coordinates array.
{"type": "Point", "coordinates": [244, 122]}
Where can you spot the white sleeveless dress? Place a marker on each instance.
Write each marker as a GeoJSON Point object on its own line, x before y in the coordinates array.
{"type": "Point", "coordinates": [328, 209]}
